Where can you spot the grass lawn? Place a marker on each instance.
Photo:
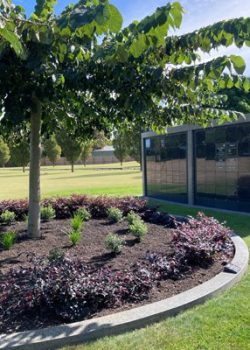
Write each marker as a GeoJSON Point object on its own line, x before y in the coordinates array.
{"type": "Point", "coordinates": [59, 181]}
{"type": "Point", "coordinates": [222, 323]}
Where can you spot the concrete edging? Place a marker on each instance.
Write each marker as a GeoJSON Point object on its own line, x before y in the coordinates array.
{"type": "Point", "coordinates": [79, 332]}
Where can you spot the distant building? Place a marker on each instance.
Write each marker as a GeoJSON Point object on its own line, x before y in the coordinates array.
{"type": "Point", "coordinates": [104, 155]}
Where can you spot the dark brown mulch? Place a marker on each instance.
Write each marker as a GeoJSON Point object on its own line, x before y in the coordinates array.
{"type": "Point", "coordinates": [92, 251]}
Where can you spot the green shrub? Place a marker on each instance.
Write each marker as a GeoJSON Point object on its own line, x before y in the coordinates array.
{"type": "Point", "coordinates": [84, 213]}
{"type": "Point", "coordinates": [75, 237]}
{"type": "Point", "coordinates": [7, 217]}
{"type": "Point", "coordinates": [55, 254]}
{"type": "Point", "coordinates": [132, 216]}
{"type": "Point", "coordinates": [138, 229]}
{"type": "Point", "coordinates": [8, 239]}
{"type": "Point", "coordinates": [48, 213]}
{"type": "Point", "coordinates": [76, 222]}
{"type": "Point", "coordinates": [115, 214]}
{"type": "Point", "coordinates": [113, 243]}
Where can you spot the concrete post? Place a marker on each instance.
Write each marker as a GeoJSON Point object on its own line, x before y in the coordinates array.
{"type": "Point", "coordinates": [191, 163]}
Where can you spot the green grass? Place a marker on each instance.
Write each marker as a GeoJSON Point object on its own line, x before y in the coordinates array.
{"type": "Point", "coordinates": [59, 181]}
{"type": "Point", "coordinates": [222, 323]}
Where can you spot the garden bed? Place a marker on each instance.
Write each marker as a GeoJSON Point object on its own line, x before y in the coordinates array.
{"type": "Point", "coordinates": [159, 266]}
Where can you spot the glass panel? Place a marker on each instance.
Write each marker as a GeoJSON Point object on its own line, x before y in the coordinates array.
{"type": "Point", "coordinates": [166, 167]}
{"type": "Point", "coordinates": [223, 167]}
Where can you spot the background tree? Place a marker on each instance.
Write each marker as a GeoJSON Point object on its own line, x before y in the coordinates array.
{"type": "Point", "coordinates": [20, 154]}
{"type": "Point", "coordinates": [120, 145]}
{"type": "Point", "coordinates": [52, 149]}
{"type": "Point", "coordinates": [87, 149]}
{"type": "Point", "coordinates": [71, 147]}
{"type": "Point", "coordinates": [4, 153]}
{"type": "Point", "coordinates": [82, 68]}
{"type": "Point", "coordinates": [100, 140]}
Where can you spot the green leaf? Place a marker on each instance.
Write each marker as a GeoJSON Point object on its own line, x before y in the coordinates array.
{"type": "Point", "coordinates": [238, 63]}
{"type": "Point", "coordinates": [116, 19]}
{"type": "Point", "coordinates": [138, 46]}
{"type": "Point", "coordinates": [13, 40]}
{"type": "Point", "coordinates": [176, 12]}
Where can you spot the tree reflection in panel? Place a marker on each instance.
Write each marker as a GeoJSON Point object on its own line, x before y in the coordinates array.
{"type": "Point", "coordinates": [166, 167]}
{"type": "Point", "coordinates": [223, 167]}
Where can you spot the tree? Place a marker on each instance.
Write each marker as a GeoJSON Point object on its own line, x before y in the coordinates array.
{"type": "Point", "coordinates": [71, 147]}
{"type": "Point", "coordinates": [100, 140]}
{"type": "Point", "coordinates": [82, 68]}
{"type": "Point", "coordinates": [120, 146]}
{"type": "Point", "coordinates": [87, 149]}
{"type": "Point", "coordinates": [52, 149]}
{"type": "Point", "coordinates": [20, 154]}
{"type": "Point", "coordinates": [237, 100]}
{"type": "Point", "coordinates": [134, 143]}
{"type": "Point", "coordinates": [4, 153]}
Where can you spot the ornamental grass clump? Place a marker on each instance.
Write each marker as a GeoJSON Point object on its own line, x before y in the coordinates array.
{"type": "Point", "coordinates": [84, 213]}
{"type": "Point", "coordinates": [48, 213]}
{"type": "Point", "coordinates": [8, 239]}
{"type": "Point", "coordinates": [7, 217]}
{"type": "Point", "coordinates": [115, 215]}
{"type": "Point", "coordinates": [76, 227]}
{"type": "Point", "coordinates": [132, 216]}
{"type": "Point", "coordinates": [113, 243]}
{"type": "Point", "coordinates": [138, 229]}
{"type": "Point", "coordinates": [76, 222]}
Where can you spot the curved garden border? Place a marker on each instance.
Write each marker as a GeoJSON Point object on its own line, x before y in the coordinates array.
{"type": "Point", "coordinates": [79, 332]}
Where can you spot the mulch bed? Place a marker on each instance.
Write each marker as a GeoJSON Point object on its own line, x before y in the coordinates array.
{"type": "Point", "coordinates": [92, 251]}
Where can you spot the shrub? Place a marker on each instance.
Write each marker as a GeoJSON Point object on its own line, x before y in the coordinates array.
{"type": "Point", "coordinates": [67, 290]}
{"type": "Point", "coordinates": [196, 241]}
{"type": "Point", "coordinates": [154, 216]}
{"type": "Point", "coordinates": [8, 239]}
{"type": "Point", "coordinates": [138, 229]}
{"type": "Point", "coordinates": [113, 243]}
{"type": "Point", "coordinates": [75, 237]}
{"type": "Point", "coordinates": [7, 217]}
{"type": "Point", "coordinates": [56, 254]}
{"type": "Point", "coordinates": [65, 207]}
{"type": "Point", "coordinates": [76, 222]}
{"type": "Point", "coordinates": [132, 216]}
{"type": "Point", "coordinates": [84, 213]}
{"type": "Point", "coordinates": [115, 214]}
{"type": "Point", "coordinates": [47, 213]}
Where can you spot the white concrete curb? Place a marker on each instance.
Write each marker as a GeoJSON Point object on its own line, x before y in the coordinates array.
{"type": "Point", "coordinates": [79, 332]}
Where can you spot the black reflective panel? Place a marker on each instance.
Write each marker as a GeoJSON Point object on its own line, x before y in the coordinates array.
{"type": "Point", "coordinates": [166, 167]}
{"type": "Point", "coordinates": [223, 167]}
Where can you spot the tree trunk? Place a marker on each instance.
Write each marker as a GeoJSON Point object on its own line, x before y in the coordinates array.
{"type": "Point", "coordinates": [23, 169]}
{"type": "Point", "coordinates": [72, 167]}
{"type": "Point", "coordinates": [34, 176]}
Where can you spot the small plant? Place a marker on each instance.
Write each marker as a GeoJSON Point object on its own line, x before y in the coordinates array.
{"type": "Point", "coordinates": [8, 239]}
{"type": "Point", "coordinates": [56, 254]}
{"type": "Point", "coordinates": [132, 216]}
{"type": "Point", "coordinates": [76, 222]}
{"type": "Point", "coordinates": [48, 213]}
{"type": "Point", "coordinates": [75, 237]}
{"type": "Point", "coordinates": [7, 217]}
{"type": "Point", "coordinates": [113, 243]}
{"type": "Point", "coordinates": [138, 229]}
{"type": "Point", "coordinates": [84, 213]}
{"type": "Point", "coordinates": [115, 214]}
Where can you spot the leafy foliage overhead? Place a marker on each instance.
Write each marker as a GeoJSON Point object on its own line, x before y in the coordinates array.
{"type": "Point", "coordinates": [87, 70]}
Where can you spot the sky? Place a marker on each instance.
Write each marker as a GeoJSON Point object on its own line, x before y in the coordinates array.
{"type": "Point", "coordinates": [198, 13]}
